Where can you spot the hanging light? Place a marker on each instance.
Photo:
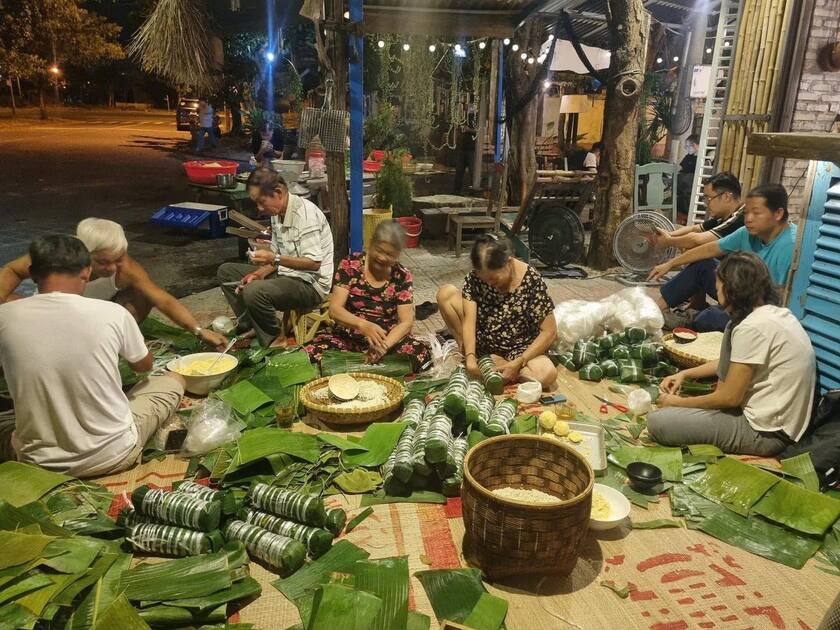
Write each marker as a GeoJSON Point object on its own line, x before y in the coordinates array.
{"type": "Point", "coordinates": [55, 69]}
{"type": "Point", "coordinates": [432, 48]}
{"type": "Point", "coordinates": [506, 41]}
{"type": "Point", "coordinates": [676, 58]}
{"type": "Point", "coordinates": [347, 15]}
{"type": "Point", "coordinates": [482, 45]}
{"type": "Point", "coordinates": [515, 47]}
{"type": "Point", "coordinates": [726, 44]}
{"type": "Point", "coordinates": [406, 47]}
{"type": "Point", "coordinates": [708, 51]}
{"type": "Point", "coordinates": [531, 61]}
{"type": "Point", "coordinates": [659, 60]}
{"type": "Point", "coordinates": [541, 59]}
{"type": "Point", "coordinates": [380, 43]}
{"type": "Point", "coordinates": [546, 84]}
{"type": "Point", "coordinates": [269, 57]}
{"type": "Point", "coordinates": [551, 37]}
{"type": "Point", "coordinates": [523, 56]}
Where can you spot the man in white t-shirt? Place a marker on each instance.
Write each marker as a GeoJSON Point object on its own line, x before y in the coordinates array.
{"type": "Point", "coordinates": [593, 157]}
{"type": "Point", "coordinates": [60, 353]}
{"type": "Point", "coordinates": [766, 371]}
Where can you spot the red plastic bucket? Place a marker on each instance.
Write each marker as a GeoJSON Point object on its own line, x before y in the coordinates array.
{"type": "Point", "coordinates": [413, 227]}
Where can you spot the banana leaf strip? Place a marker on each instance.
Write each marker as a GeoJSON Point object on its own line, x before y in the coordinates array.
{"type": "Point", "coordinates": [16, 616]}
{"type": "Point", "coordinates": [734, 484]}
{"type": "Point", "coordinates": [24, 587]}
{"type": "Point", "coordinates": [38, 600]}
{"type": "Point", "coordinates": [340, 558]}
{"type": "Point", "coordinates": [705, 449]}
{"type": "Point", "coordinates": [259, 443]}
{"type": "Point", "coordinates": [453, 593]}
{"type": "Point", "coordinates": [339, 362]}
{"type": "Point", "coordinates": [525, 423]}
{"type": "Point", "coordinates": [340, 443]}
{"type": "Point", "coordinates": [489, 613]}
{"type": "Point", "coordinates": [243, 397]}
{"type": "Point", "coordinates": [358, 519]}
{"type": "Point", "coordinates": [379, 439]}
{"type": "Point", "coordinates": [17, 548]}
{"type": "Point", "coordinates": [418, 621]}
{"type": "Point", "coordinates": [831, 546]}
{"type": "Point", "coordinates": [339, 607]}
{"type": "Point", "coordinates": [416, 496]}
{"type": "Point", "coordinates": [388, 580]}
{"type": "Point", "coordinates": [176, 337]}
{"type": "Point", "coordinates": [166, 616]}
{"type": "Point", "coordinates": [22, 483]}
{"type": "Point", "coordinates": [246, 589]}
{"type": "Point", "coordinates": [668, 460]}
{"type": "Point", "coordinates": [658, 523]}
{"type": "Point", "coordinates": [68, 595]}
{"type": "Point", "coordinates": [72, 555]}
{"type": "Point", "coordinates": [120, 614]}
{"type": "Point", "coordinates": [802, 468]}
{"type": "Point", "coordinates": [358, 481]}
{"type": "Point", "coordinates": [685, 502]}
{"type": "Point", "coordinates": [758, 536]}
{"type": "Point", "coordinates": [798, 508]}
{"type": "Point", "coordinates": [622, 591]}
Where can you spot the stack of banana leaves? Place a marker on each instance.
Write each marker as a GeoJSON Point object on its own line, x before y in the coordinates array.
{"type": "Point", "coordinates": [630, 356]}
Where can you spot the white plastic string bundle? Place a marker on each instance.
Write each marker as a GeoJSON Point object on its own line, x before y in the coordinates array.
{"type": "Point", "coordinates": [446, 355]}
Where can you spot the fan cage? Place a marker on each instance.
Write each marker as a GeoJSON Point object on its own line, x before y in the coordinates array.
{"type": "Point", "coordinates": [637, 228]}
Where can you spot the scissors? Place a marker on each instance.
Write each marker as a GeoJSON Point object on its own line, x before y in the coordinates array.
{"type": "Point", "coordinates": [606, 404]}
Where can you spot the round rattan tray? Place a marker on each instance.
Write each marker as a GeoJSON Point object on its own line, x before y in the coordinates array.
{"type": "Point", "coordinates": [329, 414]}
{"type": "Point", "coordinates": [681, 358]}
{"type": "Point", "coordinates": [506, 537]}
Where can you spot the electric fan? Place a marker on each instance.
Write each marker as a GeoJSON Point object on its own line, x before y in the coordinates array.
{"type": "Point", "coordinates": [555, 236]}
{"type": "Point", "coordinates": [634, 246]}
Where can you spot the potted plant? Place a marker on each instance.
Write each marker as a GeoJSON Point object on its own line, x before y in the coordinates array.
{"type": "Point", "coordinates": [394, 189]}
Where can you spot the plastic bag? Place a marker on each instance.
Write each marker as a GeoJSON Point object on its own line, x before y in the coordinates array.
{"type": "Point", "coordinates": [210, 425]}
{"type": "Point", "coordinates": [633, 307]}
{"type": "Point", "coordinates": [639, 401]}
{"type": "Point", "coordinates": [446, 355]}
{"type": "Point", "coordinates": [579, 319]}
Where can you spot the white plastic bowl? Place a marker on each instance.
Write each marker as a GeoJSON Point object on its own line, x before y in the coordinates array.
{"type": "Point", "coordinates": [290, 169]}
{"type": "Point", "coordinates": [201, 385]}
{"type": "Point", "coordinates": [528, 392]}
{"type": "Point", "coordinates": [619, 508]}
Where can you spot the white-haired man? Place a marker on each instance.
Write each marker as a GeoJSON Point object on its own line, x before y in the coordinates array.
{"type": "Point", "coordinates": [115, 277]}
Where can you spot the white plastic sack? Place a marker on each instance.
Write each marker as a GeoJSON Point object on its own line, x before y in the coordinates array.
{"type": "Point", "coordinates": [634, 307]}
{"type": "Point", "coordinates": [579, 319]}
{"type": "Point", "coordinates": [446, 355]}
{"type": "Point", "coordinates": [639, 401]}
{"type": "Point", "coordinates": [211, 424]}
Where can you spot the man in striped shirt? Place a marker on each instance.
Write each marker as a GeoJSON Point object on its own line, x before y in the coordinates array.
{"type": "Point", "coordinates": [722, 196]}
{"type": "Point", "coordinates": [295, 274]}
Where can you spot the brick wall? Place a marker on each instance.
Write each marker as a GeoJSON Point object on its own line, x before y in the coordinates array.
{"type": "Point", "coordinates": [818, 102]}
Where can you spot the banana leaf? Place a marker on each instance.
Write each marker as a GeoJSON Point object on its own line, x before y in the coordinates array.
{"type": "Point", "coordinates": [248, 589]}
{"type": "Point", "coordinates": [798, 508]}
{"type": "Point", "coordinates": [339, 362]}
{"type": "Point", "coordinates": [388, 580]}
{"type": "Point", "coordinates": [453, 593]}
{"type": "Point", "coordinates": [658, 523]}
{"type": "Point", "coordinates": [176, 337]}
{"type": "Point", "coordinates": [831, 546]}
{"type": "Point", "coordinates": [22, 483]}
{"type": "Point", "coordinates": [734, 484]}
{"type": "Point", "coordinates": [357, 520]}
{"type": "Point", "coordinates": [709, 450]}
{"type": "Point", "coordinates": [167, 616]}
{"type": "Point", "coordinates": [264, 469]}
{"type": "Point", "coordinates": [37, 601]}
{"type": "Point", "coordinates": [259, 443]}
{"type": "Point", "coordinates": [340, 558]}
{"type": "Point", "coordinates": [243, 397]}
{"type": "Point", "coordinates": [358, 481]}
{"type": "Point", "coordinates": [16, 616]}
{"type": "Point", "coordinates": [104, 591]}
{"type": "Point", "coordinates": [103, 563]}
{"type": "Point", "coordinates": [418, 621]}
{"type": "Point", "coordinates": [416, 496]}
{"type": "Point", "coordinates": [24, 587]}
{"type": "Point", "coordinates": [72, 555]}
{"type": "Point", "coordinates": [422, 387]}
{"type": "Point", "coordinates": [121, 614]}
{"type": "Point", "coordinates": [341, 443]}
{"type": "Point", "coordinates": [614, 477]}
{"type": "Point", "coordinates": [758, 536]}
{"type": "Point", "coordinates": [668, 460]}
{"type": "Point", "coordinates": [525, 423]}
{"type": "Point", "coordinates": [339, 607]}
{"type": "Point", "coordinates": [291, 368]}
{"type": "Point", "coordinates": [17, 548]}
{"type": "Point", "coordinates": [685, 502]}
{"type": "Point", "coordinates": [489, 613]}
{"type": "Point", "coordinates": [379, 439]}
{"type": "Point", "coordinates": [802, 468]}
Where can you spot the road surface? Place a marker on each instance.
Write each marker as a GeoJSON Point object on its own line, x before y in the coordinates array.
{"type": "Point", "coordinates": [116, 165]}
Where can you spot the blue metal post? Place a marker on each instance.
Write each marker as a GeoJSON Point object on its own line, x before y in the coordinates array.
{"type": "Point", "coordinates": [357, 113]}
{"type": "Point", "coordinates": [500, 100]}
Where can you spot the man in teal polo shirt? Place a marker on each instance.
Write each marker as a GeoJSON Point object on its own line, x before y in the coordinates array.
{"type": "Point", "coordinates": [766, 233]}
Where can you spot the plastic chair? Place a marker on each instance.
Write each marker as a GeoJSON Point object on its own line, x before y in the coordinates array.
{"type": "Point", "coordinates": [656, 188]}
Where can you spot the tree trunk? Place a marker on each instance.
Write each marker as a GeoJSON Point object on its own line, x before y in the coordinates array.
{"type": "Point", "coordinates": [522, 123]}
{"type": "Point", "coordinates": [336, 44]}
{"type": "Point", "coordinates": [12, 94]}
{"type": "Point", "coordinates": [629, 25]}
{"type": "Point", "coordinates": [42, 105]}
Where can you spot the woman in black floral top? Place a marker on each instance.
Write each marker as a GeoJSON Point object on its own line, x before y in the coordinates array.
{"type": "Point", "coordinates": [504, 310]}
{"type": "Point", "coordinates": [372, 303]}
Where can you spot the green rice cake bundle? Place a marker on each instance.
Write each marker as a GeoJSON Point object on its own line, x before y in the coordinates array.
{"type": "Point", "coordinates": [646, 352]}
{"type": "Point", "coordinates": [490, 375]}
{"type": "Point", "coordinates": [631, 374]}
{"type": "Point", "coordinates": [170, 540]}
{"type": "Point", "coordinates": [336, 519]}
{"type": "Point", "coordinates": [296, 506]}
{"type": "Point", "coordinates": [404, 456]}
{"type": "Point", "coordinates": [177, 508]}
{"type": "Point", "coordinates": [501, 418]}
{"type": "Point", "coordinates": [448, 467]}
{"type": "Point", "coordinates": [392, 486]}
{"type": "Point", "coordinates": [475, 394]}
{"type": "Point", "coordinates": [281, 553]}
{"type": "Point", "coordinates": [635, 334]}
{"type": "Point", "coordinates": [455, 394]}
{"type": "Point", "coordinates": [451, 486]}
{"type": "Point", "coordinates": [629, 362]}
{"type": "Point", "coordinates": [591, 372]}
{"type": "Point", "coordinates": [432, 408]}
{"type": "Point", "coordinates": [225, 497]}
{"type": "Point", "coordinates": [610, 368]}
{"type": "Point", "coordinates": [438, 439]}
{"type": "Point", "coordinates": [421, 482]}
{"type": "Point", "coordinates": [663, 369]}
{"type": "Point", "coordinates": [584, 352]}
{"type": "Point", "coordinates": [413, 412]}
{"type": "Point", "coordinates": [418, 447]}
{"type": "Point", "coordinates": [566, 361]}
{"type": "Point", "coordinates": [620, 352]}
{"type": "Point", "coordinates": [475, 436]}
{"type": "Point", "coordinates": [318, 541]}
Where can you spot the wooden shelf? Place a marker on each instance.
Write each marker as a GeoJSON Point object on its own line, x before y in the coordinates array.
{"type": "Point", "coordinates": [804, 146]}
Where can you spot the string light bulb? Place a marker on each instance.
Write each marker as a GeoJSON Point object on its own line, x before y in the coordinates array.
{"type": "Point", "coordinates": [380, 43]}
{"type": "Point", "coordinates": [347, 15]}
{"type": "Point", "coordinates": [506, 41]}
{"type": "Point", "coordinates": [546, 84]}
{"type": "Point", "coordinates": [515, 47]}
{"type": "Point", "coordinates": [551, 37]}
{"type": "Point", "coordinates": [482, 45]}
{"type": "Point", "coordinates": [659, 60]}
{"type": "Point", "coordinates": [531, 61]}
{"type": "Point", "coordinates": [406, 47]}
{"type": "Point", "coordinates": [523, 56]}
{"type": "Point", "coordinates": [432, 48]}
{"type": "Point", "coordinates": [676, 58]}
{"type": "Point", "coordinates": [708, 51]}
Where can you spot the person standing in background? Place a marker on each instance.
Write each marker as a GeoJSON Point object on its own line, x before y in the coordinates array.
{"type": "Point", "coordinates": [593, 158]}
{"type": "Point", "coordinates": [205, 125]}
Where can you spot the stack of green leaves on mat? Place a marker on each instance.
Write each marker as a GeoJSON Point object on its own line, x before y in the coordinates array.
{"type": "Point", "coordinates": [340, 362]}
{"type": "Point", "coordinates": [459, 595]}
{"type": "Point", "coordinates": [190, 592]}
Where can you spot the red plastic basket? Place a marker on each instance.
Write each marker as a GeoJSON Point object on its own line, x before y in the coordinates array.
{"type": "Point", "coordinates": [205, 171]}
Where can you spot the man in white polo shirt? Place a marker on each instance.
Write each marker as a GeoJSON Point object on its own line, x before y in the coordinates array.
{"type": "Point", "coordinates": [60, 353]}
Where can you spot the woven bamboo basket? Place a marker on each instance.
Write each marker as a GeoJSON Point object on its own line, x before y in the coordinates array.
{"type": "Point", "coordinates": [682, 359]}
{"type": "Point", "coordinates": [505, 537]}
{"type": "Point", "coordinates": [328, 414]}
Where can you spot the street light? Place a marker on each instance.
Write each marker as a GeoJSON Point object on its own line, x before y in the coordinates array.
{"type": "Point", "coordinates": [55, 70]}
{"type": "Point", "coordinates": [380, 43]}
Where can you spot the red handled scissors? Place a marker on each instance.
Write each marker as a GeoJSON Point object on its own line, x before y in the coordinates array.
{"type": "Point", "coordinates": [606, 404]}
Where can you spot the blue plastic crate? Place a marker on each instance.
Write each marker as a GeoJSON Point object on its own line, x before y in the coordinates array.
{"type": "Point", "coordinates": [204, 217]}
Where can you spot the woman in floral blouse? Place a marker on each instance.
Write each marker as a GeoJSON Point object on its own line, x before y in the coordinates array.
{"type": "Point", "coordinates": [504, 310]}
{"type": "Point", "coordinates": [372, 303]}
